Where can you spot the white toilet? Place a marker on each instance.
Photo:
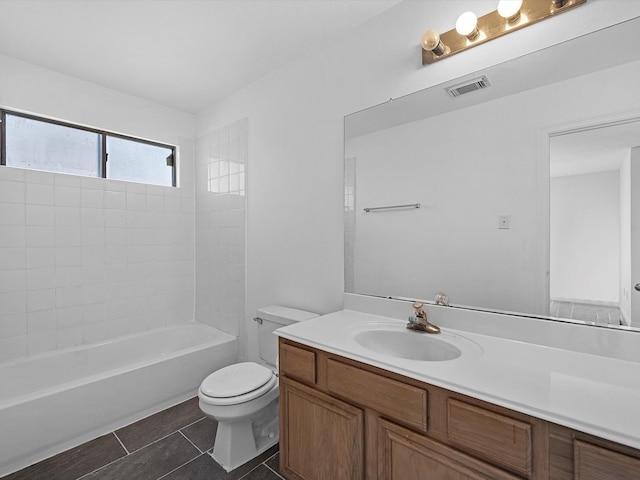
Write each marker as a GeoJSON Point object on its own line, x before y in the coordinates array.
{"type": "Point", "coordinates": [243, 397]}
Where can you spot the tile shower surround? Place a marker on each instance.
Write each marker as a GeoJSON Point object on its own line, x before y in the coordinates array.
{"type": "Point", "coordinates": [220, 200]}
{"type": "Point", "coordinates": [173, 444]}
{"type": "Point", "coordinates": [85, 259]}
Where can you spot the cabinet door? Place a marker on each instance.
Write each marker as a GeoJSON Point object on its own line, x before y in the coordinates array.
{"type": "Point", "coordinates": [403, 455]}
{"type": "Point", "coordinates": [597, 463]}
{"type": "Point", "coordinates": [321, 438]}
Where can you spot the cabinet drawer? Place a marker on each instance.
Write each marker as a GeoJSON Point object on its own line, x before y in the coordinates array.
{"type": "Point", "coordinates": [597, 463]}
{"type": "Point", "coordinates": [489, 435]}
{"type": "Point", "coordinates": [297, 363]}
{"type": "Point", "coordinates": [403, 403]}
{"type": "Point", "coordinates": [403, 455]}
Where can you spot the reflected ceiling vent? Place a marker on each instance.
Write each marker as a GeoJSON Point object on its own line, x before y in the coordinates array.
{"type": "Point", "coordinates": [469, 86]}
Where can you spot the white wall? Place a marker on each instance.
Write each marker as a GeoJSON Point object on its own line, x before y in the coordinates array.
{"type": "Point", "coordinates": [626, 287]}
{"type": "Point", "coordinates": [84, 259]}
{"type": "Point", "coordinates": [635, 235]}
{"type": "Point", "coordinates": [29, 88]}
{"type": "Point", "coordinates": [585, 238]}
{"type": "Point", "coordinates": [295, 207]}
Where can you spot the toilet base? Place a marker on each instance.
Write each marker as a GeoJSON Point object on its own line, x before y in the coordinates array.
{"type": "Point", "coordinates": [238, 442]}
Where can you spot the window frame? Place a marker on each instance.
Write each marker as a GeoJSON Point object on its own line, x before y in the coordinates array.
{"type": "Point", "coordinates": [104, 134]}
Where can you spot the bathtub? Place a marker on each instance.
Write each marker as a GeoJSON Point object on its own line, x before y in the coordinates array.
{"type": "Point", "coordinates": [53, 401]}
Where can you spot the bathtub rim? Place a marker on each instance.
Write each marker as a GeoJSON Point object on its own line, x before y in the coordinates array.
{"type": "Point", "coordinates": [220, 338]}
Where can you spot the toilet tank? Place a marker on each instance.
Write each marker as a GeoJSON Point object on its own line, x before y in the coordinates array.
{"type": "Point", "coordinates": [270, 319]}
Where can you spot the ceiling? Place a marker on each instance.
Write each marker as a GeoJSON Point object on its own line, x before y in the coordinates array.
{"type": "Point", "coordinates": [186, 54]}
{"type": "Point", "coordinates": [593, 150]}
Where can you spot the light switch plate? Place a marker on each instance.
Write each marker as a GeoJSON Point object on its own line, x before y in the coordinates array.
{"type": "Point", "coordinates": [504, 221]}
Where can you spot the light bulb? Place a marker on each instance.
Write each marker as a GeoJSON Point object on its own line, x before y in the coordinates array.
{"type": "Point", "coordinates": [467, 25]}
{"type": "Point", "coordinates": [431, 41]}
{"type": "Point", "coordinates": [509, 9]}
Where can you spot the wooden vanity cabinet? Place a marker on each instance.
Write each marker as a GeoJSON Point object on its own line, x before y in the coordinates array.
{"type": "Point", "coordinates": [345, 420]}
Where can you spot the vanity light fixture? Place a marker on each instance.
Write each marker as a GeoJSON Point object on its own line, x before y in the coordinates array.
{"type": "Point", "coordinates": [431, 42]}
{"type": "Point", "coordinates": [470, 30]}
{"type": "Point", "coordinates": [467, 25]}
{"type": "Point", "coordinates": [510, 10]}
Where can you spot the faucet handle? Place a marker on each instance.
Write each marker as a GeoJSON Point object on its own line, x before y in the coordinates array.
{"type": "Point", "coordinates": [418, 308]}
{"type": "Point", "coordinates": [442, 299]}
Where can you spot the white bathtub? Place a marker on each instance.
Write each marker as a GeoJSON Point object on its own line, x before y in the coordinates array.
{"type": "Point", "coordinates": [53, 401]}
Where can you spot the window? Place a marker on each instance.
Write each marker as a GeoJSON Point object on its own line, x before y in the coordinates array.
{"type": "Point", "coordinates": [41, 144]}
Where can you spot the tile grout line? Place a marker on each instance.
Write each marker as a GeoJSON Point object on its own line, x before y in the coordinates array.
{"type": "Point", "coordinates": [123, 446]}
{"type": "Point", "coordinates": [100, 468]}
{"type": "Point", "coordinates": [276, 473]}
{"type": "Point", "coordinates": [265, 464]}
{"type": "Point", "coordinates": [130, 453]}
{"type": "Point", "coordinates": [250, 471]}
{"type": "Point", "coordinates": [156, 441]}
{"type": "Point", "coordinates": [192, 423]}
{"type": "Point", "coordinates": [258, 466]}
{"type": "Point", "coordinates": [127, 453]}
{"type": "Point", "coordinates": [179, 467]}
{"type": "Point", "coordinates": [188, 440]}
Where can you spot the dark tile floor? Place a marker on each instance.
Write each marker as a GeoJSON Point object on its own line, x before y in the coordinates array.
{"type": "Point", "coordinates": [173, 444]}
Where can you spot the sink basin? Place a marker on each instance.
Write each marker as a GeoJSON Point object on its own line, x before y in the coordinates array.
{"type": "Point", "coordinates": [407, 344]}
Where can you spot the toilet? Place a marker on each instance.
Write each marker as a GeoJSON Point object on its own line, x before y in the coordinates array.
{"type": "Point", "coordinates": [243, 398]}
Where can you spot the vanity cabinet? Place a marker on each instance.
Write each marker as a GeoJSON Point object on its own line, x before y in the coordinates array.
{"type": "Point", "coordinates": [342, 419]}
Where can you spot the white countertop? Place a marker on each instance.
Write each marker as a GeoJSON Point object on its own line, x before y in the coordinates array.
{"type": "Point", "coordinates": [590, 393]}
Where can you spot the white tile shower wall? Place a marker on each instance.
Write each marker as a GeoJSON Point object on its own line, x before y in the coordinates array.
{"type": "Point", "coordinates": [221, 161]}
{"type": "Point", "coordinates": [85, 259]}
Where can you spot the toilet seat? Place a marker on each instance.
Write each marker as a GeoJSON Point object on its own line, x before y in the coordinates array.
{"type": "Point", "coordinates": [237, 383]}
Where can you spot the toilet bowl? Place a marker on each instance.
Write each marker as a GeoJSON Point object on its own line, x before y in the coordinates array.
{"type": "Point", "coordinates": [243, 398]}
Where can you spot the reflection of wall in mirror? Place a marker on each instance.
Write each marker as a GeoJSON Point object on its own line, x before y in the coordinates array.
{"type": "Point", "coordinates": [466, 168]}
{"type": "Point", "coordinates": [585, 238]}
{"type": "Point", "coordinates": [349, 222]}
{"type": "Point", "coordinates": [634, 237]}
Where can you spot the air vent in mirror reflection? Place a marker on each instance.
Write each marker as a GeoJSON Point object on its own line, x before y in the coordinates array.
{"type": "Point", "coordinates": [468, 86]}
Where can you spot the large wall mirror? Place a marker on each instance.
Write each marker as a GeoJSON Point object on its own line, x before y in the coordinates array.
{"type": "Point", "coordinates": [520, 197]}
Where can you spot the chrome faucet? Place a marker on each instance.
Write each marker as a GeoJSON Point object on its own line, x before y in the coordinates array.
{"type": "Point", "coordinates": [418, 321]}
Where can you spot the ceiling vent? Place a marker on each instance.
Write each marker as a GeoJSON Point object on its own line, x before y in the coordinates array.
{"type": "Point", "coordinates": [468, 86]}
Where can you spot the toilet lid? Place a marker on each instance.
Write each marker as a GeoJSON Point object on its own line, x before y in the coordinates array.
{"type": "Point", "coordinates": [235, 380]}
